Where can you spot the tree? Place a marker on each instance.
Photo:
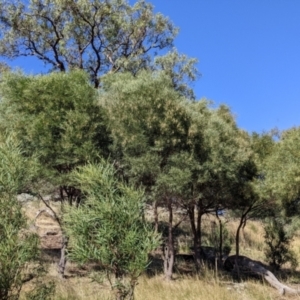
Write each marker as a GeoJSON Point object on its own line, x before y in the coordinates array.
{"type": "Point", "coordinates": [143, 145]}
{"type": "Point", "coordinates": [108, 228]}
{"type": "Point", "coordinates": [18, 247]}
{"type": "Point", "coordinates": [180, 68]}
{"type": "Point", "coordinates": [99, 36]}
{"type": "Point", "coordinates": [215, 166]}
{"type": "Point", "coordinates": [182, 153]}
{"type": "Point", "coordinates": [277, 242]}
{"type": "Point", "coordinates": [55, 117]}
{"type": "Point", "coordinates": [253, 199]}
{"type": "Point", "coordinates": [282, 168]}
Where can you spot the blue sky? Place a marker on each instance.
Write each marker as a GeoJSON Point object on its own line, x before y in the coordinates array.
{"type": "Point", "coordinates": [248, 52]}
{"type": "Point", "coordinates": [249, 56]}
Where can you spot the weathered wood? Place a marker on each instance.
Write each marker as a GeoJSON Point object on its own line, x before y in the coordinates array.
{"type": "Point", "coordinates": [251, 267]}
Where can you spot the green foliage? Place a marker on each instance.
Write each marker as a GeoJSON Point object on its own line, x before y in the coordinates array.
{"type": "Point", "coordinates": [17, 172]}
{"type": "Point", "coordinates": [213, 239]}
{"type": "Point", "coordinates": [55, 117]}
{"type": "Point", "coordinates": [283, 173]}
{"type": "Point", "coordinates": [263, 146]}
{"type": "Point", "coordinates": [278, 241]}
{"type": "Point", "coordinates": [181, 69]}
{"type": "Point", "coordinates": [17, 246]}
{"type": "Point", "coordinates": [108, 228]}
{"type": "Point", "coordinates": [98, 36]}
{"type": "Point", "coordinates": [146, 143]}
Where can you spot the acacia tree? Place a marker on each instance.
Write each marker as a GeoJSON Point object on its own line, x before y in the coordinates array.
{"type": "Point", "coordinates": [108, 228]}
{"type": "Point", "coordinates": [57, 118]}
{"type": "Point", "coordinates": [282, 188]}
{"type": "Point", "coordinates": [282, 172]}
{"type": "Point", "coordinates": [149, 124]}
{"type": "Point", "coordinates": [210, 173]}
{"type": "Point", "coordinates": [252, 197]}
{"type": "Point", "coordinates": [182, 152]}
{"type": "Point", "coordinates": [99, 36]}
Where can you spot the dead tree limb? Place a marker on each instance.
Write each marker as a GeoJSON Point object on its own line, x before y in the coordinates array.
{"type": "Point", "coordinates": [251, 267]}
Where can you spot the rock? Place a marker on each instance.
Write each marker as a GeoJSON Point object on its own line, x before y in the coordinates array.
{"type": "Point", "coordinates": [25, 197]}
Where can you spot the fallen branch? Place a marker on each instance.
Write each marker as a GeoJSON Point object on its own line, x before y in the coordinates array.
{"type": "Point", "coordinates": [251, 267]}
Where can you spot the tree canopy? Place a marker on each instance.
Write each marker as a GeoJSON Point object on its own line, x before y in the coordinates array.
{"type": "Point", "coordinates": [56, 118]}
{"type": "Point", "coordinates": [99, 36]}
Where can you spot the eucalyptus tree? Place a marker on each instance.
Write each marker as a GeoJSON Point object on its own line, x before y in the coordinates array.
{"type": "Point", "coordinates": [108, 228]}
{"type": "Point", "coordinates": [181, 69]}
{"type": "Point", "coordinates": [99, 36]}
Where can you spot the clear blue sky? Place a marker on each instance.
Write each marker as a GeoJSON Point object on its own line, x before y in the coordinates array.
{"type": "Point", "coordinates": [248, 52]}
{"type": "Point", "coordinates": [249, 56]}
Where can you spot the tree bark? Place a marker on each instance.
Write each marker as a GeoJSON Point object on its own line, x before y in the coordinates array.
{"type": "Point", "coordinates": [169, 251]}
{"type": "Point", "coordinates": [220, 237]}
{"type": "Point", "coordinates": [63, 258]}
{"type": "Point", "coordinates": [248, 267]}
{"type": "Point", "coordinates": [199, 225]}
{"type": "Point", "coordinates": [155, 212]}
{"type": "Point", "coordinates": [197, 255]}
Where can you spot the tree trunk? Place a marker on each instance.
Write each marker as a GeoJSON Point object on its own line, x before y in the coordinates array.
{"type": "Point", "coordinates": [199, 225]}
{"type": "Point", "coordinates": [248, 267]}
{"type": "Point", "coordinates": [237, 238]}
{"type": "Point", "coordinates": [63, 258]}
{"type": "Point", "coordinates": [220, 237]}
{"type": "Point", "coordinates": [155, 212]}
{"type": "Point", "coordinates": [237, 246]}
{"type": "Point", "coordinates": [197, 256]}
{"type": "Point", "coordinates": [169, 251]}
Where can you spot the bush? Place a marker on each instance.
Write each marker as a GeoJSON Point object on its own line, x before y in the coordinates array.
{"type": "Point", "coordinates": [108, 228]}
{"type": "Point", "coordinates": [277, 241]}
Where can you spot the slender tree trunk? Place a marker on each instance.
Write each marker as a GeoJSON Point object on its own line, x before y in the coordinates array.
{"type": "Point", "coordinates": [220, 237]}
{"type": "Point", "coordinates": [132, 288]}
{"type": "Point", "coordinates": [243, 221]}
{"type": "Point", "coordinates": [237, 238]}
{"type": "Point", "coordinates": [191, 214]}
{"type": "Point", "coordinates": [155, 212]}
{"type": "Point", "coordinates": [169, 251]}
{"type": "Point", "coordinates": [63, 258]}
{"type": "Point", "coordinates": [199, 228]}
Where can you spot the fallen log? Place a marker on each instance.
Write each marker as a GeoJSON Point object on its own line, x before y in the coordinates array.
{"type": "Point", "coordinates": [247, 266]}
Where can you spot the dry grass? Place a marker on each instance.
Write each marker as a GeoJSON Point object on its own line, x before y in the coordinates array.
{"type": "Point", "coordinates": [187, 285]}
{"type": "Point", "coordinates": [153, 288]}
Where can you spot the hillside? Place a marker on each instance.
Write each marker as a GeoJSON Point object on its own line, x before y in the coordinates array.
{"type": "Point", "coordinates": [187, 284]}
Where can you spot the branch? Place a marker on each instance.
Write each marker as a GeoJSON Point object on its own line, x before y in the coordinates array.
{"type": "Point", "coordinates": [53, 213]}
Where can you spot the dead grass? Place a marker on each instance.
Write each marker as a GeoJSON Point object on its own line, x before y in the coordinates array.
{"type": "Point", "coordinates": [187, 285]}
{"type": "Point", "coordinates": [153, 288]}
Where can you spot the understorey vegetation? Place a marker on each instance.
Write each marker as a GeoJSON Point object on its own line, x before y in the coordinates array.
{"type": "Point", "coordinates": [138, 164]}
